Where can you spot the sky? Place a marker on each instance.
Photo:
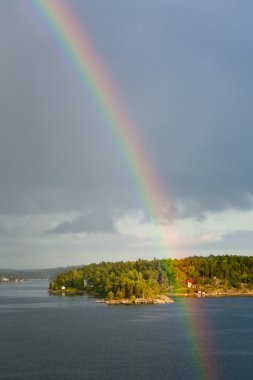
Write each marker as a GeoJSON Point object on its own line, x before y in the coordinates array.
{"type": "Point", "coordinates": [183, 70]}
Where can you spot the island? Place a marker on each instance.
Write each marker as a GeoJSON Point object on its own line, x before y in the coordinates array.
{"type": "Point", "coordinates": [156, 281]}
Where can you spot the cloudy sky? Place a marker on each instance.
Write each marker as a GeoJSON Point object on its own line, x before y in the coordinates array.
{"type": "Point", "coordinates": [184, 72]}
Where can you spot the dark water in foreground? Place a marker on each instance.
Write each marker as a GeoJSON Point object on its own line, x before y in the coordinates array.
{"type": "Point", "coordinates": [50, 337]}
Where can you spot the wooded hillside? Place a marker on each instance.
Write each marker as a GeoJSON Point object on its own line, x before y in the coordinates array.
{"type": "Point", "coordinates": [144, 278]}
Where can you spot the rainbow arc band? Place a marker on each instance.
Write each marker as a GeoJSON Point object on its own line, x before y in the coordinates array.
{"type": "Point", "coordinates": [95, 80]}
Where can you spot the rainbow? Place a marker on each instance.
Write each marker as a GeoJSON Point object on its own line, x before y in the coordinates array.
{"type": "Point", "coordinates": [198, 336]}
{"type": "Point", "coordinates": [96, 80]}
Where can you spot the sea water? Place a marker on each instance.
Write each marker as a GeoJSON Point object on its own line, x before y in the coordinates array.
{"type": "Point", "coordinates": [72, 337]}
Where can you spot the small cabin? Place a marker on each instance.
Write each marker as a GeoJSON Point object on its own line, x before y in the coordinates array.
{"type": "Point", "coordinates": [63, 287]}
{"type": "Point", "coordinates": [190, 283]}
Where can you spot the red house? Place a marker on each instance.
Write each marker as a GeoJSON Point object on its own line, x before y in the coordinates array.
{"type": "Point", "coordinates": [190, 283]}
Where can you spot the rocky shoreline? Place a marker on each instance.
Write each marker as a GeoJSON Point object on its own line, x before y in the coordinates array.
{"type": "Point", "coordinates": [160, 300]}
{"type": "Point", "coordinates": [215, 293]}
{"type": "Point", "coordinates": [229, 294]}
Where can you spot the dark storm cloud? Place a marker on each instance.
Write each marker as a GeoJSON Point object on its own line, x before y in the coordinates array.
{"type": "Point", "coordinates": [191, 68]}
{"type": "Point", "coordinates": [185, 70]}
{"type": "Point", "coordinates": [198, 116]}
{"type": "Point", "coordinates": [55, 152]}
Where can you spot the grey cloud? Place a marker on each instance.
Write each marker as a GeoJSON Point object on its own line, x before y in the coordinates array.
{"type": "Point", "coordinates": [92, 222]}
{"type": "Point", "coordinates": [185, 73]}
{"type": "Point", "coordinates": [239, 235]}
{"type": "Point", "coordinates": [233, 242]}
{"type": "Point", "coordinates": [242, 239]}
{"type": "Point", "coordinates": [184, 70]}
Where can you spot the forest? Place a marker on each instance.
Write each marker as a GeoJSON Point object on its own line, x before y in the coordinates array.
{"type": "Point", "coordinates": [150, 278]}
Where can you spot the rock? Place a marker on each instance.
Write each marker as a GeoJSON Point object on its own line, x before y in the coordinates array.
{"type": "Point", "coordinates": [141, 301]}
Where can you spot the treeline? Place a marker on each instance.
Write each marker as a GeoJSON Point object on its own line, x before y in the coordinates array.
{"type": "Point", "coordinates": [147, 279]}
{"type": "Point", "coordinates": [142, 279]}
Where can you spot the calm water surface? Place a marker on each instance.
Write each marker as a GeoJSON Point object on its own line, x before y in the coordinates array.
{"type": "Point", "coordinates": [56, 337]}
